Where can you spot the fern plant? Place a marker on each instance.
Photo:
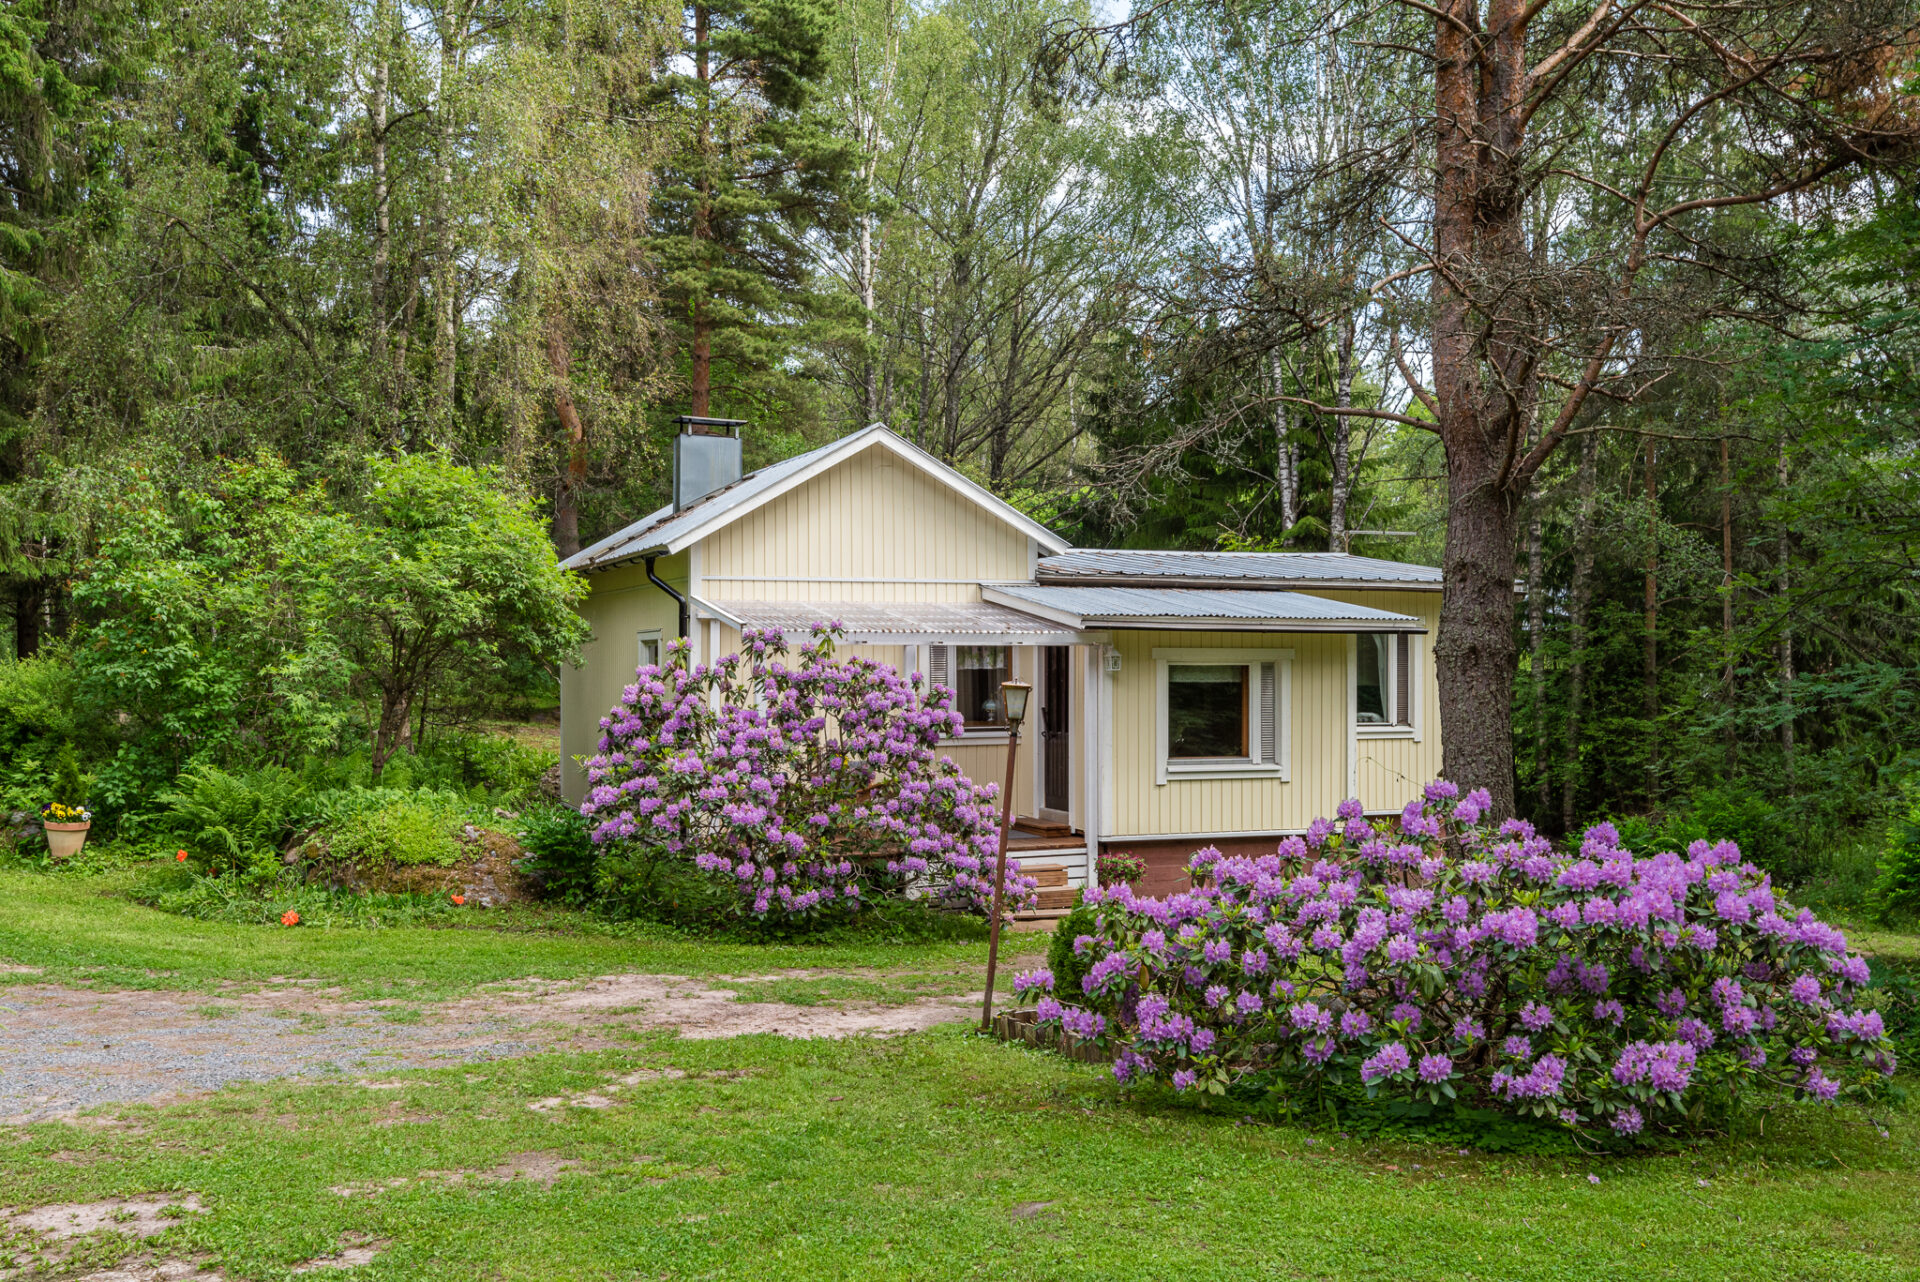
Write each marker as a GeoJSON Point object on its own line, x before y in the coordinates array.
{"type": "Point", "coordinates": [230, 821]}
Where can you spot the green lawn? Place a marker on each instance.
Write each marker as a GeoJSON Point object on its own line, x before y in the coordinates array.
{"type": "Point", "coordinates": [79, 929]}
{"type": "Point", "coordinates": [937, 1155]}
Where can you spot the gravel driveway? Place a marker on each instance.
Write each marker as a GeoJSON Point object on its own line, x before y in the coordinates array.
{"type": "Point", "coordinates": [63, 1050]}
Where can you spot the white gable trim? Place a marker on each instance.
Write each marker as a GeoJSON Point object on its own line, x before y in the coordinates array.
{"type": "Point", "coordinates": [848, 446]}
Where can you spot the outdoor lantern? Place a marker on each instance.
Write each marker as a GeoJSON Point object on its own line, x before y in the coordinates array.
{"type": "Point", "coordinates": [1015, 695]}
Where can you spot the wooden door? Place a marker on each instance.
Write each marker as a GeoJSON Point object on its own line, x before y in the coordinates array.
{"type": "Point", "coordinates": [1056, 672]}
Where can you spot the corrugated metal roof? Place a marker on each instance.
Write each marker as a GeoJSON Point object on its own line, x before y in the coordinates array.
{"type": "Point", "coordinates": [1321, 569]}
{"type": "Point", "coordinates": [660, 528]}
{"type": "Point", "coordinates": [1129, 607]}
{"type": "Point", "coordinates": [883, 622]}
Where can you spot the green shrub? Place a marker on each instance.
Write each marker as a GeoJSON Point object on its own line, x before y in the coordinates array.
{"type": "Point", "coordinates": [560, 841]}
{"type": "Point", "coordinates": [647, 883]}
{"type": "Point", "coordinates": [1068, 969]}
{"type": "Point", "coordinates": [386, 825]}
{"type": "Point", "coordinates": [36, 699]}
{"type": "Point", "coordinates": [238, 822]}
{"type": "Point", "coordinates": [1896, 891]}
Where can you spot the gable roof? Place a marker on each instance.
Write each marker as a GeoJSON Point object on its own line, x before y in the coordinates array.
{"type": "Point", "coordinates": [1087, 566]}
{"type": "Point", "coordinates": [665, 532]}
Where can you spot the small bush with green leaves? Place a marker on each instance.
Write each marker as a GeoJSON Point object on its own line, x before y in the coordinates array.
{"type": "Point", "coordinates": [1068, 964]}
{"type": "Point", "coordinates": [562, 850]}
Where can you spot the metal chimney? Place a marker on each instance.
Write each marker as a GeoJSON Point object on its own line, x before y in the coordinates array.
{"type": "Point", "coordinates": [706, 457]}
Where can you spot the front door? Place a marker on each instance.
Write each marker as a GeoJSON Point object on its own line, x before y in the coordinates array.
{"type": "Point", "coordinates": [1055, 679]}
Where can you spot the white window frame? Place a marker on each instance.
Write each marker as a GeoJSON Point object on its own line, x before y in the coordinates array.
{"type": "Point", "coordinates": [1393, 729]}
{"type": "Point", "coordinates": [640, 647]}
{"type": "Point", "coordinates": [1168, 768]}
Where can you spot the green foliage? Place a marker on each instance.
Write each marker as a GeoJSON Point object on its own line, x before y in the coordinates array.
{"type": "Point", "coordinates": [69, 784]}
{"type": "Point", "coordinates": [372, 826]}
{"type": "Point", "coordinates": [1069, 969]}
{"type": "Point", "coordinates": [559, 840]}
{"type": "Point", "coordinates": [437, 571]}
{"type": "Point", "coordinates": [1896, 891]}
{"type": "Point", "coordinates": [227, 899]}
{"type": "Point", "coordinates": [235, 822]}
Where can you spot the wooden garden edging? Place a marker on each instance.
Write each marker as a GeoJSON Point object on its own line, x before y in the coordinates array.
{"type": "Point", "coordinates": [1019, 1026]}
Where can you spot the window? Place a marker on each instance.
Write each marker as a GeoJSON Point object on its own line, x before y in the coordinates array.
{"type": "Point", "coordinates": [1383, 681]}
{"type": "Point", "coordinates": [1222, 713]}
{"type": "Point", "coordinates": [1207, 710]}
{"type": "Point", "coordinates": [650, 649]}
{"type": "Point", "coordinates": [974, 672]}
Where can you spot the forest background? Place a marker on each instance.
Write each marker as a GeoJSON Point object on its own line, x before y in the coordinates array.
{"type": "Point", "coordinates": [1160, 284]}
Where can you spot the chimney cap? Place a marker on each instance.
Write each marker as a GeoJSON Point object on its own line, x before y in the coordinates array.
{"type": "Point", "coordinates": [697, 423]}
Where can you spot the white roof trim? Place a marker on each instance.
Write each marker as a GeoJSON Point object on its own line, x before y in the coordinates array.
{"type": "Point", "coordinates": [848, 446]}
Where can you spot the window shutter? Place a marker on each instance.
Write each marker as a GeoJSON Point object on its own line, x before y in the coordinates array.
{"type": "Point", "coordinates": [1403, 678]}
{"type": "Point", "coordinates": [940, 665]}
{"type": "Point", "coordinates": [1269, 713]}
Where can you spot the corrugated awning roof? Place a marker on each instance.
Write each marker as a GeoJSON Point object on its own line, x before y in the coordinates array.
{"type": "Point", "coordinates": [1237, 569]}
{"type": "Point", "coordinates": [896, 622]}
{"type": "Point", "coordinates": [1083, 608]}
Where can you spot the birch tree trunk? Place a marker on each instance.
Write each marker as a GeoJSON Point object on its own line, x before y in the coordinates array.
{"type": "Point", "coordinates": [382, 201]}
{"type": "Point", "coordinates": [1286, 449]}
{"type": "Point", "coordinates": [1342, 442]}
{"type": "Point", "coordinates": [446, 308]}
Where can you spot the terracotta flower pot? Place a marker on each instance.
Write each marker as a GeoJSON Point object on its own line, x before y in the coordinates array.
{"type": "Point", "coordinates": [64, 840]}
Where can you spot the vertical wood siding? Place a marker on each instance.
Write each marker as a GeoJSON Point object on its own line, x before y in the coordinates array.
{"type": "Point", "coordinates": [1392, 771]}
{"type": "Point", "coordinates": [874, 517]}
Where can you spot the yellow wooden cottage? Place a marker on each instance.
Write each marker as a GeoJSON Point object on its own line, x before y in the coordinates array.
{"type": "Point", "coordinates": [1180, 698]}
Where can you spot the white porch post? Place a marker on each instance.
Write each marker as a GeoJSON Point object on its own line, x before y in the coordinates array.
{"type": "Point", "coordinates": [1091, 753]}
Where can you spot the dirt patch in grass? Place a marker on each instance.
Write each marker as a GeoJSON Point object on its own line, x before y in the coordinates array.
{"type": "Point", "coordinates": [541, 1168]}
{"type": "Point", "coordinates": [147, 1270]}
{"type": "Point", "coordinates": [355, 1250]}
{"type": "Point", "coordinates": [132, 1216]}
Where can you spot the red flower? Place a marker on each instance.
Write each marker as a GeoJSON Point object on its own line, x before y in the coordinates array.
{"type": "Point", "coordinates": [181, 857]}
{"type": "Point", "coordinates": [459, 899]}
{"type": "Point", "coordinates": [290, 918]}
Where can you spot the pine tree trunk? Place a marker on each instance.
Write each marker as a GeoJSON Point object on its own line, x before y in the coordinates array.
{"type": "Point", "coordinates": [700, 350]}
{"type": "Point", "coordinates": [1783, 648]}
{"type": "Point", "coordinates": [1537, 658]}
{"type": "Point", "coordinates": [1726, 588]}
{"type": "Point", "coordinates": [1478, 229]}
{"type": "Point", "coordinates": [1579, 602]}
{"type": "Point", "coordinates": [1650, 659]}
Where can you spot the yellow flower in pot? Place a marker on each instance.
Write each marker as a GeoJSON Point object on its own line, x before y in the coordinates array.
{"type": "Point", "coordinates": [66, 829]}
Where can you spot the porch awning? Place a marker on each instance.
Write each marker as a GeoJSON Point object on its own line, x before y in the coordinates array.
{"type": "Point", "coordinates": [1195, 609]}
{"type": "Point", "coordinates": [897, 622]}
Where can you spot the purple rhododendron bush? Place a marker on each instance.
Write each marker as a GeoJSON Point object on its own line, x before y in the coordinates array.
{"type": "Point", "coordinates": [803, 789]}
{"type": "Point", "coordinates": [1437, 957]}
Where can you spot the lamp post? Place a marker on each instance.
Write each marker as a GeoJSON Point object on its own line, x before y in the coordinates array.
{"type": "Point", "coordinates": [1013, 697]}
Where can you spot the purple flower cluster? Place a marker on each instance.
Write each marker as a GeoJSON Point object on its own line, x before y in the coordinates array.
{"type": "Point", "coordinates": [805, 787]}
{"type": "Point", "coordinates": [1438, 955]}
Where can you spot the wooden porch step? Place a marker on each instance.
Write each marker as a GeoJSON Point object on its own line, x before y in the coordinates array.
{"type": "Point", "coordinates": [1030, 844]}
{"type": "Point", "coordinates": [1047, 875]}
{"type": "Point", "coordinates": [1041, 828]}
{"type": "Point", "coordinates": [1064, 898]}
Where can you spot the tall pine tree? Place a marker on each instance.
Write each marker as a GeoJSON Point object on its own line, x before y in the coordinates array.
{"type": "Point", "coordinates": [760, 170]}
